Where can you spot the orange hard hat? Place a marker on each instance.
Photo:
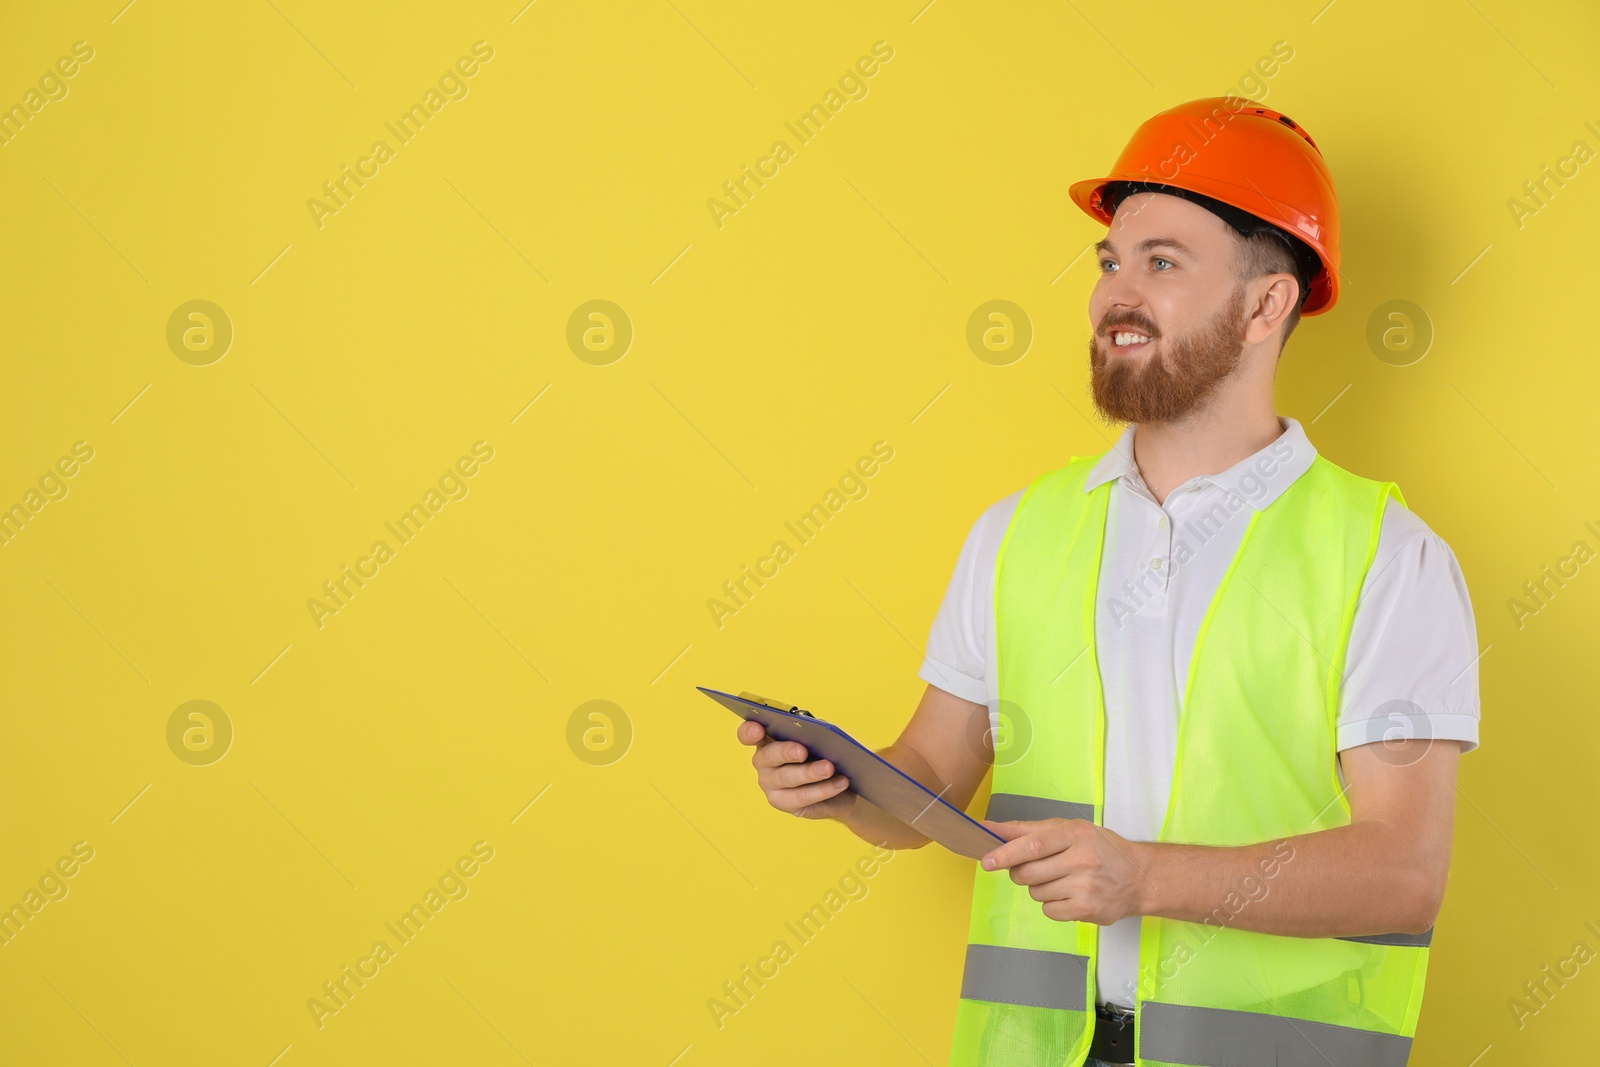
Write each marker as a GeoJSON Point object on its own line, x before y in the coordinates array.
{"type": "Point", "coordinates": [1253, 166]}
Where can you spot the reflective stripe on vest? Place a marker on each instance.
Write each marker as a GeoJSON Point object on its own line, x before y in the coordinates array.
{"type": "Point", "coordinates": [1255, 762]}
{"type": "Point", "coordinates": [1423, 938]}
{"type": "Point", "coordinates": [1024, 976]}
{"type": "Point", "coordinates": [1008, 807]}
{"type": "Point", "coordinates": [1186, 1034]}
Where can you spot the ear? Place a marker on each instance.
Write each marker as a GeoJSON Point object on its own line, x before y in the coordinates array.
{"type": "Point", "coordinates": [1275, 296]}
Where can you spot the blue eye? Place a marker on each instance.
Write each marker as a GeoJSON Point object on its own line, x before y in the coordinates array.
{"type": "Point", "coordinates": [1107, 264]}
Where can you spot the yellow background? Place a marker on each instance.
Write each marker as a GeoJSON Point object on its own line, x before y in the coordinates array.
{"type": "Point", "coordinates": [768, 355]}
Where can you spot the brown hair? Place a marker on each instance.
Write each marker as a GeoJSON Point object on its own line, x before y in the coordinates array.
{"type": "Point", "coordinates": [1265, 252]}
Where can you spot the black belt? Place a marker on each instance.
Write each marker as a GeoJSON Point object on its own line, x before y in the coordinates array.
{"type": "Point", "coordinates": [1113, 1034]}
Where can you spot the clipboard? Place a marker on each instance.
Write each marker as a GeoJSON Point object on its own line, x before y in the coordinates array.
{"type": "Point", "coordinates": [871, 776]}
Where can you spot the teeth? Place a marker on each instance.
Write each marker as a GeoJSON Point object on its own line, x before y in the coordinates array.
{"type": "Point", "coordinates": [1129, 338]}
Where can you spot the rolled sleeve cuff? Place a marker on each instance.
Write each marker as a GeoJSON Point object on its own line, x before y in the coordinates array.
{"type": "Point", "coordinates": [953, 681]}
{"type": "Point", "coordinates": [1442, 726]}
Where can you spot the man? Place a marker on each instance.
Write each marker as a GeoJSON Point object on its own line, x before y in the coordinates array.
{"type": "Point", "coordinates": [1227, 682]}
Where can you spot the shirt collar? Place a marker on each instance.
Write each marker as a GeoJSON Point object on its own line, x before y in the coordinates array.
{"type": "Point", "coordinates": [1257, 480]}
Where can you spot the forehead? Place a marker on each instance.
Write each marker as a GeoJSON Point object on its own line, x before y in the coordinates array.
{"type": "Point", "coordinates": [1146, 217]}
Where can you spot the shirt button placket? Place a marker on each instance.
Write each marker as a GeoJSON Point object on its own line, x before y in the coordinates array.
{"type": "Point", "coordinates": [1161, 545]}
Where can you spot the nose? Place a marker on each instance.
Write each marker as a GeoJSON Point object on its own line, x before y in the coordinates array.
{"type": "Point", "coordinates": [1115, 297]}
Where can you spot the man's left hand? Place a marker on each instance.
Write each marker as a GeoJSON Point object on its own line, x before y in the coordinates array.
{"type": "Point", "coordinates": [1079, 871]}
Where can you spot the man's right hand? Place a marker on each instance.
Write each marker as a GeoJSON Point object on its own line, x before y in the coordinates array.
{"type": "Point", "coordinates": [792, 781]}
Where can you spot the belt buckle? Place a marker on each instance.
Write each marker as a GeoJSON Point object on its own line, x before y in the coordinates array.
{"type": "Point", "coordinates": [1113, 1037]}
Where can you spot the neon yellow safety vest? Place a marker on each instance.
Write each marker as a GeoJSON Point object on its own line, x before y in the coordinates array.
{"type": "Point", "coordinates": [1255, 762]}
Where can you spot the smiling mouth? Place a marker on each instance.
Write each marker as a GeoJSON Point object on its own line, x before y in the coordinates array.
{"type": "Point", "coordinates": [1124, 342]}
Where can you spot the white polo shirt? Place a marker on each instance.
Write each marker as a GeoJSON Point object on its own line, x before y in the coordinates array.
{"type": "Point", "coordinates": [1411, 667]}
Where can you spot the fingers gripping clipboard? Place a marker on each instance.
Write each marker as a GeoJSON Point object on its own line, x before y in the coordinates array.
{"type": "Point", "coordinates": [871, 776]}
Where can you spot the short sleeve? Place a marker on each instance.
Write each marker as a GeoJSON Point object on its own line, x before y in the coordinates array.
{"type": "Point", "coordinates": [957, 656]}
{"type": "Point", "coordinates": [1411, 669]}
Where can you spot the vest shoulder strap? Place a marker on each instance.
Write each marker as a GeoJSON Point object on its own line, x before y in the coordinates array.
{"type": "Point", "coordinates": [1355, 483]}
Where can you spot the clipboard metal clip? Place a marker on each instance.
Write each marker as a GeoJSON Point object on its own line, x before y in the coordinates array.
{"type": "Point", "coordinates": [776, 705]}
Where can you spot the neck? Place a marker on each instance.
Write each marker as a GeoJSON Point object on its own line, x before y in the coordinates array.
{"type": "Point", "coordinates": [1208, 441]}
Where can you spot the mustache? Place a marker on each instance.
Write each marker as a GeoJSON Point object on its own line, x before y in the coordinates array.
{"type": "Point", "coordinates": [1109, 328]}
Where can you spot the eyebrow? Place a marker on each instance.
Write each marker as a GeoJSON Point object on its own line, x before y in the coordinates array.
{"type": "Point", "coordinates": [1148, 244]}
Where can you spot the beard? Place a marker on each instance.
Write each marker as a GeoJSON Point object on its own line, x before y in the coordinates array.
{"type": "Point", "coordinates": [1168, 385]}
